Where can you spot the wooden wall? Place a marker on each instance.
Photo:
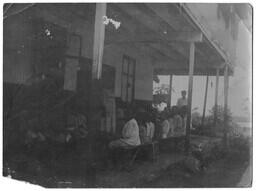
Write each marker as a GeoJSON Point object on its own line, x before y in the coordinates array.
{"type": "Point", "coordinates": [16, 71]}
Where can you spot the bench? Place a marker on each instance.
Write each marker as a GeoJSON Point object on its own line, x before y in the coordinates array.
{"type": "Point", "coordinates": [132, 152]}
{"type": "Point", "coordinates": [165, 144]}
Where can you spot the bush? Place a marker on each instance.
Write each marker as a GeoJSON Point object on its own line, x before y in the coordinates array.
{"type": "Point", "coordinates": [240, 148]}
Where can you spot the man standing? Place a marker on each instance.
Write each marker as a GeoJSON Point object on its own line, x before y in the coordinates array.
{"type": "Point", "coordinates": [182, 107]}
{"type": "Point", "coordinates": [183, 100]}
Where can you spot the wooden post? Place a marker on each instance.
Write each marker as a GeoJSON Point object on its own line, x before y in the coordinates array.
{"type": "Point", "coordinates": [190, 88]}
{"type": "Point", "coordinates": [98, 43]}
{"type": "Point", "coordinates": [170, 92]}
{"type": "Point", "coordinates": [226, 81]}
{"type": "Point", "coordinates": [205, 100]}
{"type": "Point", "coordinates": [96, 91]}
{"type": "Point", "coordinates": [216, 97]}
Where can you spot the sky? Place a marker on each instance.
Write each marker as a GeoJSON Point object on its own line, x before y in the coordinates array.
{"type": "Point", "coordinates": [240, 84]}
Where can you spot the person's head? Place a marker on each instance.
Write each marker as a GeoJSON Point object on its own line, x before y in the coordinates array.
{"type": "Point", "coordinates": [170, 114]}
{"type": "Point", "coordinates": [164, 115]}
{"type": "Point", "coordinates": [167, 109]}
{"type": "Point", "coordinates": [148, 117]}
{"type": "Point", "coordinates": [175, 110]}
{"type": "Point", "coordinates": [141, 118]}
{"type": "Point", "coordinates": [183, 93]}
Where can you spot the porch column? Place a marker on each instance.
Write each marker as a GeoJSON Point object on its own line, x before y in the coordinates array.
{"type": "Point", "coordinates": [95, 90]}
{"type": "Point", "coordinates": [205, 99]}
{"type": "Point", "coordinates": [190, 88]}
{"type": "Point", "coordinates": [98, 43]}
{"type": "Point", "coordinates": [170, 92]}
{"type": "Point", "coordinates": [226, 86]}
{"type": "Point", "coordinates": [216, 97]}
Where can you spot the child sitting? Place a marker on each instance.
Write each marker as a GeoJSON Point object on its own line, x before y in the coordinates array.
{"type": "Point", "coordinates": [177, 122]}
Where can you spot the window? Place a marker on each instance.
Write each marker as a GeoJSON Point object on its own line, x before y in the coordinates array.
{"type": "Point", "coordinates": [128, 79]}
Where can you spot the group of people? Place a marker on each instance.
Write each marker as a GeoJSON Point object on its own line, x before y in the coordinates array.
{"type": "Point", "coordinates": [139, 129]}
{"type": "Point", "coordinates": [173, 123]}
{"type": "Point", "coordinates": [174, 119]}
{"type": "Point", "coordinates": [141, 125]}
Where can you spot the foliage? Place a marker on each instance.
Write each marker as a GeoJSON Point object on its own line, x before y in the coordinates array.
{"type": "Point", "coordinates": [196, 119]}
{"type": "Point", "coordinates": [220, 115]}
{"type": "Point", "coordinates": [163, 89]}
{"type": "Point", "coordinates": [209, 129]}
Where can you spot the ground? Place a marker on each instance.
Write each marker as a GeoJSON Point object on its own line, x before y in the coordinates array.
{"type": "Point", "coordinates": [222, 173]}
{"type": "Point", "coordinates": [229, 169]}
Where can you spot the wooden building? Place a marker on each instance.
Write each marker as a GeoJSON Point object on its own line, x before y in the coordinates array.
{"type": "Point", "coordinates": [121, 44]}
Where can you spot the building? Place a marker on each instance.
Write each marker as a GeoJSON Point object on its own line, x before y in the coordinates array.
{"type": "Point", "coordinates": [122, 45]}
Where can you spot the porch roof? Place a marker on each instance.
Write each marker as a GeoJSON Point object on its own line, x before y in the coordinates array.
{"type": "Point", "coordinates": [161, 31]}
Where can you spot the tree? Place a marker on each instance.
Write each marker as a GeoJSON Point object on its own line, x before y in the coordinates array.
{"type": "Point", "coordinates": [163, 89]}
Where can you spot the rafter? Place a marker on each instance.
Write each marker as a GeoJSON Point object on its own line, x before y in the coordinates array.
{"type": "Point", "coordinates": [149, 22]}
{"type": "Point", "coordinates": [184, 71]}
{"type": "Point", "coordinates": [154, 33]}
{"type": "Point", "coordinates": [151, 38]}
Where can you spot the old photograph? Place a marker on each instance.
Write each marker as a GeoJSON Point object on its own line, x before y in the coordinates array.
{"type": "Point", "coordinates": [127, 95]}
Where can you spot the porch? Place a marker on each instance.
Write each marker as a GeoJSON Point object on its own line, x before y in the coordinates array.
{"type": "Point", "coordinates": [103, 60]}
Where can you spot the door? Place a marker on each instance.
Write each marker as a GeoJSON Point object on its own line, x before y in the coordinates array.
{"type": "Point", "coordinates": [128, 79]}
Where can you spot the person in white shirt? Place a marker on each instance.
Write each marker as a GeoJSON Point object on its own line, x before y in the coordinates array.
{"type": "Point", "coordinates": [177, 122]}
{"type": "Point", "coordinates": [182, 106]}
{"type": "Point", "coordinates": [165, 129]}
{"type": "Point", "coordinates": [130, 135]}
{"type": "Point", "coordinates": [150, 126]}
{"type": "Point", "coordinates": [147, 128]}
{"type": "Point", "coordinates": [165, 126]}
{"type": "Point", "coordinates": [183, 100]}
{"type": "Point", "coordinates": [171, 125]}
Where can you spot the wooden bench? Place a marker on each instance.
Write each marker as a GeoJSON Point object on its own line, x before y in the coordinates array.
{"type": "Point", "coordinates": [165, 144]}
{"type": "Point", "coordinates": [132, 152]}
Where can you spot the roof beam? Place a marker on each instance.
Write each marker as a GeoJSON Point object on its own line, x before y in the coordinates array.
{"type": "Point", "coordinates": [156, 32]}
{"type": "Point", "coordinates": [184, 72]}
{"type": "Point", "coordinates": [172, 37]}
{"type": "Point", "coordinates": [197, 23]}
{"type": "Point", "coordinates": [127, 35]}
{"type": "Point", "coordinates": [165, 12]}
{"type": "Point", "coordinates": [151, 23]}
{"type": "Point", "coordinates": [176, 20]}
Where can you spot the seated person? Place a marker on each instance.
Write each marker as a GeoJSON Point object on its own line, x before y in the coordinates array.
{"type": "Point", "coordinates": [150, 126]}
{"type": "Point", "coordinates": [130, 134]}
{"type": "Point", "coordinates": [147, 128]}
{"type": "Point", "coordinates": [171, 124]}
{"type": "Point", "coordinates": [183, 114]}
{"type": "Point", "coordinates": [164, 126]}
{"type": "Point", "coordinates": [177, 122]}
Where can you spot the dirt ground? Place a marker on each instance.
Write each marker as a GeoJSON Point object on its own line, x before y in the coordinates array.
{"type": "Point", "coordinates": [72, 172]}
{"type": "Point", "coordinates": [221, 173]}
